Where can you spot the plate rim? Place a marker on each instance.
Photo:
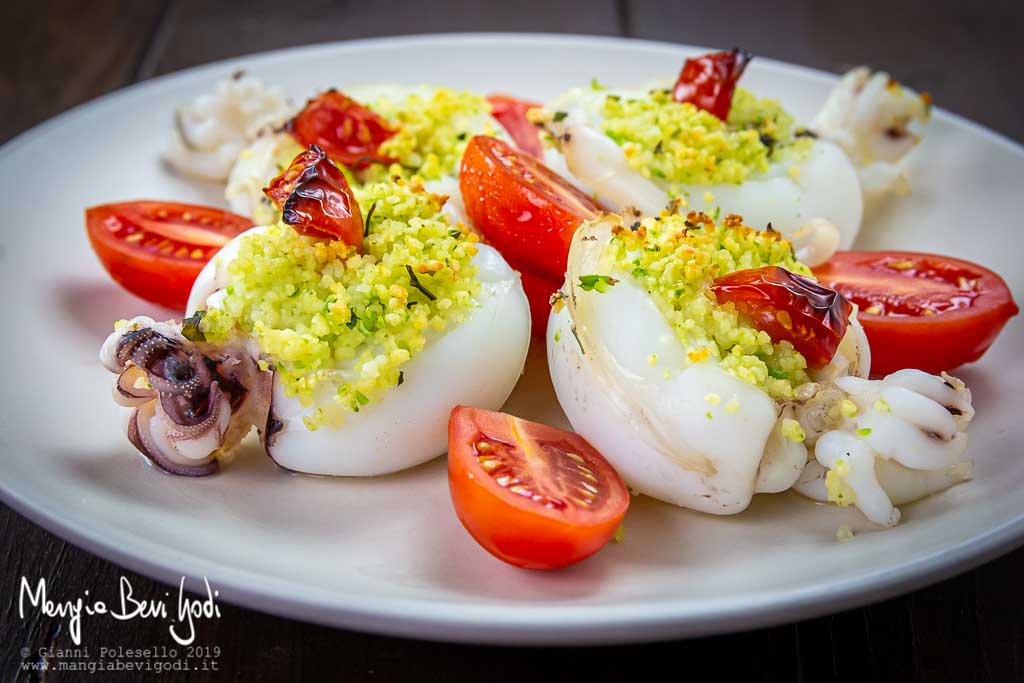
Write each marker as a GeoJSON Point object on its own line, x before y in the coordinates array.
{"type": "Point", "coordinates": [488, 623]}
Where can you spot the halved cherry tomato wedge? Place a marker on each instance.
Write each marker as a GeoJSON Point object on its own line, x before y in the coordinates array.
{"type": "Point", "coordinates": [708, 82]}
{"type": "Point", "coordinates": [510, 112]}
{"type": "Point", "coordinates": [789, 307]}
{"type": "Point", "coordinates": [316, 200]}
{"type": "Point", "coordinates": [532, 495]}
{"type": "Point", "coordinates": [154, 249]}
{"type": "Point", "coordinates": [350, 133]}
{"type": "Point", "coordinates": [921, 311]}
{"type": "Point", "coordinates": [526, 210]}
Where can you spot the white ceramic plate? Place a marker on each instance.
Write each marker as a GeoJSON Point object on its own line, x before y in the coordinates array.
{"type": "Point", "coordinates": [388, 554]}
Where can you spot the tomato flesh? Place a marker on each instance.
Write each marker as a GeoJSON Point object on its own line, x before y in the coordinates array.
{"type": "Point", "coordinates": [510, 112]}
{"type": "Point", "coordinates": [154, 249]}
{"type": "Point", "coordinates": [523, 208]}
{"type": "Point", "coordinates": [709, 81]}
{"type": "Point", "coordinates": [350, 133]}
{"type": "Point", "coordinates": [527, 212]}
{"type": "Point", "coordinates": [789, 307]}
{"type": "Point", "coordinates": [532, 495]}
{"type": "Point", "coordinates": [918, 310]}
{"type": "Point", "coordinates": [315, 199]}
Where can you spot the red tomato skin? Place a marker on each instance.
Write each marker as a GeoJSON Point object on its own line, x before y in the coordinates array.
{"type": "Point", "coordinates": [510, 112]}
{"type": "Point", "coordinates": [315, 199]}
{"type": "Point", "coordinates": [350, 133]}
{"type": "Point", "coordinates": [538, 290]}
{"type": "Point", "coordinates": [525, 543]}
{"type": "Point", "coordinates": [708, 82]}
{"type": "Point", "coordinates": [933, 343]}
{"type": "Point", "coordinates": [527, 211]}
{"type": "Point", "coordinates": [145, 276]}
{"type": "Point", "coordinates": [818, 316]}
{"type": "Point", "coordinates": [498, 522]}
{"type": "Point", "coordinates": [159, 278]}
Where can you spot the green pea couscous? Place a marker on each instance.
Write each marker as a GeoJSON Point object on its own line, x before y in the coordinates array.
{"type": "Point", "coordinates": [676, 258]}
{"type": "Point", "coordinates": [684, 145]}
{"type": "Point", "coordinates": [432, 130]}
{"type": "Point", "coordinates": [332, 319]}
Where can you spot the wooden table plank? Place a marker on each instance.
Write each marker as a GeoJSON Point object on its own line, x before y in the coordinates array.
{"type": "Point", "coordinates": [204, 31]}
{"type": "Point", "coordinates": [929, 635]}
{"type": "Point", "coordinates": [965, 54]}
{"type": "Point", "coordinates": [54, 54]}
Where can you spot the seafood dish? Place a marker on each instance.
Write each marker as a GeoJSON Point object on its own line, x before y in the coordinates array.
{"type": "Point", "coordinates": [743, 153]}
{"type": "Point", "coordinates": [681, 252]}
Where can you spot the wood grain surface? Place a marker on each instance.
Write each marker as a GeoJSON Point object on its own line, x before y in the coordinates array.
{"type": "Point", "coordinates": [56, 54]}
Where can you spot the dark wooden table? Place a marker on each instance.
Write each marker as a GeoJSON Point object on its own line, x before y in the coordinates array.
{"type": "Point", "coordinates": [57, 54]}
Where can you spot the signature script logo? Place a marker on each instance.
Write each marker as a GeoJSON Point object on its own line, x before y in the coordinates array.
{"type": "Point", "coordinates": [183, 621]}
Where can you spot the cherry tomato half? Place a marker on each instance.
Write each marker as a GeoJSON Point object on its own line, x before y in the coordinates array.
{"type": "Point", "coordinates": [350, 133]}
{"type": "Point", "coordinates": [523, 208]}
{"type": "Point", "coordinates": [921, 311]}
{"type": "Point", "coordinates": [789, 307]}
{"type": "Point", "coordinates": [510, 112]}
{"type": "Point", "coordinates": [708, 82]}
{"type": "Point", "coordinates": [532, 495]}
{"type": "Point", "coordinates": [155, 250]}
{"type": "Point", "coordinates": [316, 200]}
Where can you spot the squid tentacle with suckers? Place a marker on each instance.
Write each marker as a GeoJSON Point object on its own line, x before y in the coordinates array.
{"type": "Point", "coordinates": [187, 404]}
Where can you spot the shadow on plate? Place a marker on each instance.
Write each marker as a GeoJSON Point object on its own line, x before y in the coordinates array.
{"type": "Point", "coordinates": [93, 306]}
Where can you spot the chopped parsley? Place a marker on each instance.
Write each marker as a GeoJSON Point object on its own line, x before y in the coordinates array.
{"type": "Point", "coordinates": [598, 283]}
{"type": "Point", "coordinates": [190, 328]}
